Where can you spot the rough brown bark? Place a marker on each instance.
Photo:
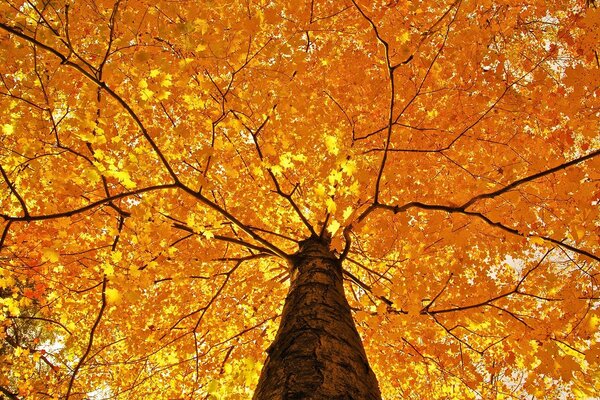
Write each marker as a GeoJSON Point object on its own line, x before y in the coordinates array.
{"type": "Point", "coordinates": [317, 352]}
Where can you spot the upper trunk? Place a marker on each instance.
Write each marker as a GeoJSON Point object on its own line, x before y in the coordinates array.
{"type": "Point", "coordinates": [317, 353]}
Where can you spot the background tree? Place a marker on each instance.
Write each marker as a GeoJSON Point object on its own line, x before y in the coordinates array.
{"type": "Point", "coordinates": [161, 162]}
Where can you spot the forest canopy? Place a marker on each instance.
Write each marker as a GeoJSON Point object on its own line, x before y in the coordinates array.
{"type": "Point", "coordinates": [161, 161]}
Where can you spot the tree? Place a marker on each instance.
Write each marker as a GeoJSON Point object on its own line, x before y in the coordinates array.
{"type": "Point", "coordinates": [424, 175]}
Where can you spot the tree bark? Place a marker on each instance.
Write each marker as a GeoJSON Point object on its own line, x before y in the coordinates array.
{"type": "Point", "coordinates": [317, 352]}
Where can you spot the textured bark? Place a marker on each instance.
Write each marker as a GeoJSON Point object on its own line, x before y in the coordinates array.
{"type": "Point", "coordinates": [317, 352]}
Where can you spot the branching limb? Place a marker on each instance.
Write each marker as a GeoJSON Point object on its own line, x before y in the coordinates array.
{"type": "Point", "coordinates": [202, 310]}
{"type": "Point", "coordinates": [480, 351]}
{"type": "Point", "coordinates": [529, 178]}
{"type": "Point", "coordinates": [225, 259]}
{"type": "Point", "coordinates": [43, 319]}
{"type": "Point", "coordinates": [369, 270]}
{"type": "Point", "coordinates": [368, 289]}
{"type": "Point", "coordinates": [462, 209]}
{"type": "Point", "coordinates": [4, 233]}
{"type": "Point", "coordinates": [439, 293]}
{"type": "Point", "coordinates": [15, 344]}
{"type": "Point", "coordinates": [243, 332]}
{"type": "Point", "coordinates": [90, 340]}
{"type": "Point", "coordinates": [350, 121]}
{"type": "Point", "coordinates": [14, 192]}
{"type": "Point", "coordinates": [87, 207]}
{"type": "Point", "coordinates": [390, 122]}
{"type": "Point", "coordinates": [277, 234]}
{"type": "Point", "coordinates": [177, 183]}
{"type": "Point", "coordinates": [452, 334]}
{"type": "Point", "coordinates": [439, 366]}
{"type": "Point", "coordinates": [490, 302]}
{"type": "Point", "coordinates": [469, 127]}
{"type": "Point", "coordinates": [227, 239]}
{"type": "Point", "coordinates": [348, 244]}
{"type": "Point", "coordinates": [278, 190]}
{"type": "Point", "coordinates": [9, 394]}
{"type": "Point", "coordinates": [102, 85]}
{"type": "Point", "coordinates": [546, 238]}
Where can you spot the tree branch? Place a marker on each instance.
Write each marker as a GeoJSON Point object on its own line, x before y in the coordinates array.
{"type": "Point", "coordinates": [9, 394]}
{"type": "Point", "coordinates": [529, 178]}
{"type": "Point", "coordinates": [102, 85]}
{"type": "Point", "coordinates": [88, 207]}
{"type": "Point", "coordinates": [227, 239]}
{"type": "Point", "coordinates": [91, 339]}
{"type": "Point", "coordinates": [279, 191]}
{"type": "Point", "coordinates": [14, 192]}
{"type": "Point", "coordinates": [463, 208]}
{"type": "Point", "coordinates": [488, 302]}
{"type": "Point", "coordinates": [276, 250]}
{"type": "Point", "coordinates": [390, 71]}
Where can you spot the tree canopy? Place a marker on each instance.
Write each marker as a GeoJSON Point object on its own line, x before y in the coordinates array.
{"type": "Point", "coordinates": [161, 161]}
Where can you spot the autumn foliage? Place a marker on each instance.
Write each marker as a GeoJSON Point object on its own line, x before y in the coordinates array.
{"type": "Point", "coordinates": [162, 160]}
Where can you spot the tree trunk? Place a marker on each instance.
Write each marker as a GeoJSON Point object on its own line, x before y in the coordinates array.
{"type": "Point", "coordinates": [317, 353]}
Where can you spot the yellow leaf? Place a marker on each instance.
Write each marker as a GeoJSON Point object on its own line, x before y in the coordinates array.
{"type": "Point", "coordinates": [277, 170]}
{"type": "Point", "coordinates": [353, 189]}
{"type": "Point", "coordinates": [134, 271]}
{"type": "Point", "coordinates": [212, 387]}
{"type": "Point", "coordinates": [123, 177]}
{"type": "Point", "coordinates": [333, 227]}
{"type": "Point", "coordinates": [167, 82]}
{"type": "Point", "coordinates": [92, 174]}
{"type": "Point", "coordinates": [146, 94]}
{"type": "Point", "coordinates": [8, 129]}
{"type": "Point", "coordinates": [335, 177]}
{"type": "Point", "coordinates": [108, 269]}
{"type": "Point", "coordinates": [13, 307]}
{"type": "Point", "coordinates": [536, 240]}
{"type": "Point", "coordinates": [116, 256]}
{"type": "Point", "coordinates": [349, 167]}
{"type": "Point", "coordinates": [332, 144]}
{"type": "Point", "coordinates": [164, 95]}
{"type": "Point", "coordinates": [404, 37]}
{"type": "Point", "coordinates": [50, 255]}
{"type": "Point", "coordinates": [320, 190]}
{"type": "Point", "coordinates": [331, 206]}
{"type": "Point", "coordinates": [347, 212]}
{"type": "Point", "coordinates": [112, 296]}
